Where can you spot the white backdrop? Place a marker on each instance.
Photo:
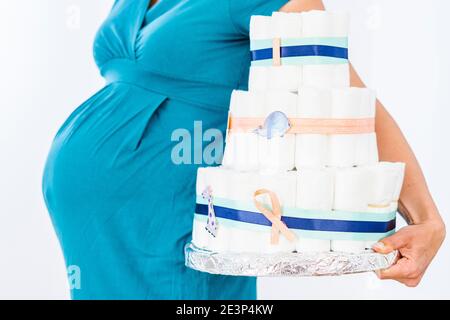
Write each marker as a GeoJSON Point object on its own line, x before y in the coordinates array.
{"type": "Point", "coordinates": [399, 47]}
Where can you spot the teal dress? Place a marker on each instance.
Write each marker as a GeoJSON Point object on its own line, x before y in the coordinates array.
{"type": "Point", "coordinates": [122, 209]}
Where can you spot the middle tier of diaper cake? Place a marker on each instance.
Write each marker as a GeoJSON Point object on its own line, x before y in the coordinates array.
{"type": "Point", "coordinates": [300, 171]}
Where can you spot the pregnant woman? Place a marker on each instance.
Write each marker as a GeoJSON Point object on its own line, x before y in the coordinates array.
{"type": "Point", "coordinates": [122, 208]}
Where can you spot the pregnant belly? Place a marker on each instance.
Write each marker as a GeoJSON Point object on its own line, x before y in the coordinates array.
{"type": "Point", "coordinates": [109, 140]}
{"type": "Point", "coordinates": [112, 158]}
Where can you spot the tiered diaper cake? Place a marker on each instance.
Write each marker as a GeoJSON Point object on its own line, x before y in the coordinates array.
{"type": "Point", "coordinates": [300, 171]}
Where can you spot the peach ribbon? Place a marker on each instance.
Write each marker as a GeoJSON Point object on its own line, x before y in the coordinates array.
{"type": "Point", "coordinates": [276, 52]}
{"type": "Point", "coordinates": [273, 216]}
{"type": "Point", "coordinates": [309, 126]}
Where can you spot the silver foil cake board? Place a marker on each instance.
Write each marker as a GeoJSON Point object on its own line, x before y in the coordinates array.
{"type": "Point", "coordinates": [285, 264]}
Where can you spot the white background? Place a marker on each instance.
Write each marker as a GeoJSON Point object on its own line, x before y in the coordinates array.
{"type": "Point", "coordinates": [400, 47]}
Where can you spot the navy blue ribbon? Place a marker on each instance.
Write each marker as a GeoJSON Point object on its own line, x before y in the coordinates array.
{"type": "Point", "coordinates": [302, 51]}
{"type": "Point", "coordinates": [300, 223]}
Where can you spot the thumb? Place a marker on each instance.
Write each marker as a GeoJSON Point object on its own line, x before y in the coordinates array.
{"type": "Point", "coordinates": [397, 241]}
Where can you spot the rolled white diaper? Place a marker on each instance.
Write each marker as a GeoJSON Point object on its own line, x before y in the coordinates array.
{"type": "Point", "coordinates": [241, 151]}
{"type": "Point", "coordinates": [200, 237]}
{"type": "Point", "coordinates": [352, 189]}
{"type": "Point", "coordinates": [222, 241]}
{"type": "Point", "coordinates": [229, 156]}
{"type": "Point", "coordinates": [315, 188]}
{"type": "Point", "coordinates": [218, 180]}
{"type": "Point", "coordinates": [368, 102]}
{"type": "Point", "coordinates": [242, 104]}
{"type": "Point", "coordinates": [325, 24]}
{"type": "Point", "coordinates": [246, 104]}
{"type": "Point", "coordinates": [287, 25]}
{"type": "Point", "coordinates": [258, 79]}
{"type": "Point", "coordinates": [284, 78]}
{"type": "Point", "coordinates": [315, 191]}
{"type": "Point", "coordinates": [366, 149]}
{"type": "Point", "coordinates": [285, 102]}
{"type": "Point", "coordinates": [326, 76]}
{"type": "Point", "coordinates": [386, 176]}
{"type": "Point", "coordinates": [261, 27]}
{"type": "Point", "coordinates": [258, 104]}
{"type": "Point", "coordinates": [353, 103]}
{"type": "Point", "coordinates": [348, 246]}
{"type": "Point", "coordinates": [284, 187]}
{"type": "Point", "coordinates": [247, 237]}
{"type": "Point", "coordinates": [244, 237]}
{"type": "Point", "coordinates": [352, 149]}
{"type": "Point", "coordinates": [384, 182]}
{"type": "Point", "coordinates": [343, 149]}
{"type": "Point", "coordinates": [242, 185]}
{"type": "Point", "coordinates": [278, 153]}
{"type": "Point", "coordinates": [351, 193]}
{"type": "Point", "coordinates": [202, 180]}
{"type": "Point", "coordinates": [215, 177]}
{"type": "Point", "coordinates": [311, 150]}
{"type": "Point", "coordinates": [314, 103]}
{"type": "Point", "coordinates": [221, 182]}
{"type": "Point", "coordinates": [400, 169]}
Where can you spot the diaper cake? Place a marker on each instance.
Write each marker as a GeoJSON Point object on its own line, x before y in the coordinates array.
{"type": "Point", "coordinates": [300, 172]}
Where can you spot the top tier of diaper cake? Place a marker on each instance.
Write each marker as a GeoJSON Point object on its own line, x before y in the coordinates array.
{"type": "Point", "coordinates": [301, 169]}
{"type": "Point", "coordinates": [311, 47]}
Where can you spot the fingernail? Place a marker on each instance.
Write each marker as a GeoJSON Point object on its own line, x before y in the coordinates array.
{"type": "Point", "coordinates": [379, 245]}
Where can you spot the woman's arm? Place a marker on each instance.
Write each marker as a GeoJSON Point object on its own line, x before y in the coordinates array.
{"type": "Point", "coordinates": [302, 5]}
{"type": "Point", "coordinates": [419, 242]}
{"type": "Point", "coordinates": [416, 204]}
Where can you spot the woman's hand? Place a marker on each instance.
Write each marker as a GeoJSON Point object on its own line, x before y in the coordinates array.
{"type": "Point", "coordinates": [417, 245]}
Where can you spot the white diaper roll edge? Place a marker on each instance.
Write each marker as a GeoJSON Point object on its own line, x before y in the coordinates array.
{"type": "Point", "coordinates": [351, 193]}
{"type": "Point", "coordinates": [315, 191]}
{"type": "Point", "coordinates": [287, 25]}
{"type": "Point", "coordinates": [325, 24]}
{"type": "Point", "coordinates": [326, 76]}
{"type": "Point", "coordinates": [261, 27]}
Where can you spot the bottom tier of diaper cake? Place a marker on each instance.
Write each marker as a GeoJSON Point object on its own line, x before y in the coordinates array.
{"type": "Point", "coordinates": [310, 210]}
